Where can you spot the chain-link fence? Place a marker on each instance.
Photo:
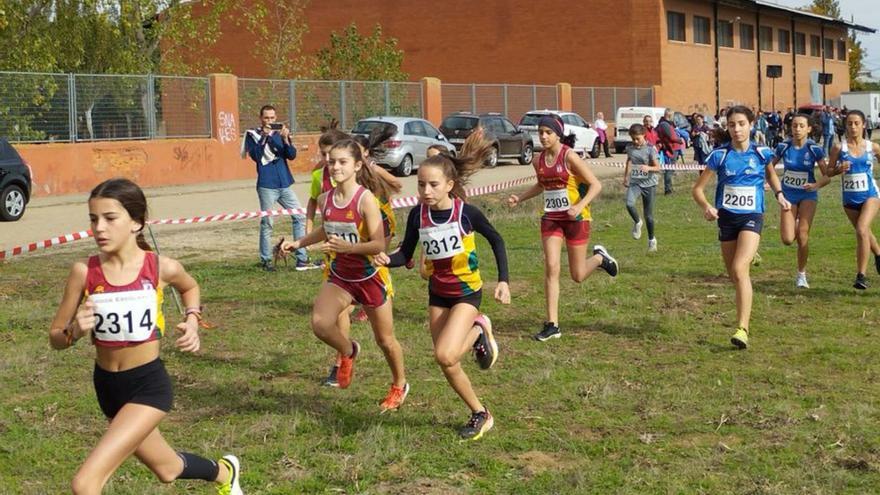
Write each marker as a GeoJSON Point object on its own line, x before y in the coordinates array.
{"type": "Point", "coordinates": [512, 100]}
{"type": "Point", "coordinates": [37, 108]}
{"type": "Point", "coordinates": [307, 105]}
{"type": "Point", "coordinates": [587, 102]}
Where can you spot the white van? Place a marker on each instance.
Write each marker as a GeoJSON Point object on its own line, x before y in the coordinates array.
{"type": "Point", "coordinates": [627, 116]}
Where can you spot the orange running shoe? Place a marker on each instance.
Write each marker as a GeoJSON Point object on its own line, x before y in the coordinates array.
{"type": "Point", "coordinates": [361, 315]}
{"type": "Point", "coordinates": [346, 366]}
{"type": "Point", "coordinates": [395, 398]}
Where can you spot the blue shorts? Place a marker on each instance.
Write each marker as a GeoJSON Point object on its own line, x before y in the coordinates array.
{"type": "Point", "coordinates": [795, 196]}
{"type": "Point", "coordinates": [731, 224]}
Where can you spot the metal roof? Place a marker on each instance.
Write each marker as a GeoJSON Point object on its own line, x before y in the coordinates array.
{"type": "Point", "coordinates": [769, 5]}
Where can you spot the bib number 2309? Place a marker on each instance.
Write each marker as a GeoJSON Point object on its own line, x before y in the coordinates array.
{"type": "Point", "coordinates": [125, 316]}
{"type": "Point", "coordinates": [739, 198]}
{"type": "Point", "coordinates": [556, 200]}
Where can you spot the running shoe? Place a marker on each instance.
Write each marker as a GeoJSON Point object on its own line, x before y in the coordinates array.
{"type": "Point", "coordinates": [637, 230]}
{"type": "Point", "coordinates": [480, 423]}
{"type": "Point", "coordinates": [232, 486]}
{"type": "Point", "coordinates": [550, 331]}
{"type": "Point", "coordinates": [861, 282]}
{"type": "Point", "coordinates": [741, 338]}
{"type": "Point", "coordinates": [485, 347]}
{"type": "Point", "coordinates": [346, 366]}
{"type": "Point", "coordinates": [361, 315]}
{"type": "Point", "coordinates": [302, 266]}
{"type": "Point", "coordinates": [756, 261]}
{"type": "Point", "coordinates": [652, 245]}
{"type": "Point", "coordinates": [801, 281]}
{"type": "Point", "coordinates": [331, 381]}
{"type": "Point", "coordinates": [394, 399]}
{"type": "Point", "coordinates": [609, 264]}
{"type": "Point", "coordinates": [267, 266]}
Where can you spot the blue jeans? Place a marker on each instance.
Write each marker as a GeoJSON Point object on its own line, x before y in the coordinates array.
{"type": "Point", "coordinates": [827, 141]}
{"type": "Point", "coordinates": [287, 199]}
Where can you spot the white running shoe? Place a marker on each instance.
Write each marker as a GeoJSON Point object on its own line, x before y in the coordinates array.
{"type": "Point", "coordinates": [802, 281]}
{"type": "Point", "coordinates": [652, 245]}
{"type": "Point", "coordinates": [637, 230]}
{"type": "Point", "coordinates": [232, 485]}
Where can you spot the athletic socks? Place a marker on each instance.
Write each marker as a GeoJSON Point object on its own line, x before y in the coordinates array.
{"type": "Point", "coordinates": [198, 468]}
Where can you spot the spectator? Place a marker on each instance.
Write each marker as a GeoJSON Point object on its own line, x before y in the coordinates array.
{"type": "Point", "coordinates": [701, 133]}
{"type": "Point", "coordinates": [270, 146]}
{"type": "Point", "coordinates": [761, 128]}
{"type": "Point", "coordinates": [670, 144]}
{"type": "Point", "coordinates": [827, 120]}
{"type": "Point", "coordinates": [774, 128]}
{"type": "Point", "coordinates": [786, 121]}
{"type": "Point", "coordinates": [839, 118]}
{"type": "Point", "coordinates": [602, 129]}
{"type": "Point", "coordinates": [869, 128]}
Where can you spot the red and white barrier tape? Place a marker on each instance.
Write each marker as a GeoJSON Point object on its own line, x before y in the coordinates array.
{"type": "Point", "coordinates": [395, 203]}
{"type": "Point", "coordinates": [674, 166]}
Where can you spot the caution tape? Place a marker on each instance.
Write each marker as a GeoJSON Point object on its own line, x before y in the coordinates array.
{"type": "Point", "coordinates": [674, 166]}
{"type": "Point", "coordinates": [396, 203]}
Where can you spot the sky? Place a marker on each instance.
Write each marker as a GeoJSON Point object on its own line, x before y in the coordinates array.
{"type": "Point", "coordinates": [862, 12]}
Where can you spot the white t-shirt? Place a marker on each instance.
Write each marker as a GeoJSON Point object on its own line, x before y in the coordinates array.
{"type": "Point", "coordinates": [600, 124]}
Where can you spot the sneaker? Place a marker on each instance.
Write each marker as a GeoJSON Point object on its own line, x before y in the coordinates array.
{"type": "Point", "coordinates": [637, 230]}
{"type": "Point", "coordinates": [485, 347]}
{"type": "Point", "coordinates": [410, 264]}
{"type": "Point", "coordinates": [740, 338]}
{"type": "Point", "coordinates": [302, 266]}
{"type": "Point", "coordinates": [801, 281]}
{"type": "Point", "coordinates": [652, 245]}
{"type": "Point", "coordinates": [609, 264]}
{"type": "Point", "coordinates": [480, 423]}
{"type": "Point", "coordinates": [877, 263]}
{"type": "Point", "coordinates": [394, 399]}
{"type": "Point", "coordinates": [267, 266]}
{"type": "Point", "coordinates": [756, 261]}
{"type": "Point", "coordinates": [861, 282]}
{"type": "Point", "coordinates": [346, 366]}
{"type": "Point", "coordinates": [550, 331]}
{"type": "Point", "coordinates": [361, 315]}
{"type": "Point", "coordinates": [231, 487]}
{"type": "Point", "coordinates": [331, 380]}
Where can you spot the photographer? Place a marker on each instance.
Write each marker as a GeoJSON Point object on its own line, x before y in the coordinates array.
{"type": "Point", "coordinates": [270, 146]}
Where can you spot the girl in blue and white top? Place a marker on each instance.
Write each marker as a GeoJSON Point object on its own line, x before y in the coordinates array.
{"type": "Point", "coordinates": [854, 158]}
{"type": "Point", "coordinates": [741, 167]}
{"type": "Point", "coordinates": [800, 156]}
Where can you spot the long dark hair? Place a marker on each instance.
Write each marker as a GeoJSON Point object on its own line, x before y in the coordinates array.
{"type": "Point", "coordinates": [459, 169]}
{"type": "Point", "coordinates": [365, 176]}
{"type": "Point", "coordinates": [330, 134]}
{"type": "Point", "coordinates": [131, 197]}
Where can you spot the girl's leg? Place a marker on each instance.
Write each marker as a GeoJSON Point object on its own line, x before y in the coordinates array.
{"type": "Point", "coordinates": [131, 426]}
{"type": "Point", "coordinates": [738, 256]}
{"type": "Point", "coordinates": [579, 265]}
{"type": "Point", "coordinates": [804, 215]}
{"type": "Point", "coordinates": [788, 223]}
{"type": "Point", "coordinates": [552, 254]}
{"type": "Point", "coordinates": [649, 194]}
{"type": "Point", "coordinates": [331, 301]}
{"type": "Point", "coordinates": [168, 465]}
{"type": "Point", "coordinates": [381, 320]}
{"type": "Point", "coordinates": [454, 333]}
{"type": "Point", "coordinates": [631, 193]}
{"type": "Point", "coordinates": [867, 243]}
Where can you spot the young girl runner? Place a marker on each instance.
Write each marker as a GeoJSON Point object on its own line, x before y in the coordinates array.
{"type": "Point", "coordinates": [352, 229]}
{"type": "Point", "coordinates": [568, 187]}
{"type": "Point", "coordinates": [854, 158]}
{"type": "Point", "coordinates": [321, 179]}
{"type": "Point", "coordinates": [444, 226]}
{"type": "Point", "coordinates": [640, 178]}
{"type": "Point", "coordinates": [741, 167]}
{"type": "Point", "coordinates": [115, 298]}
{"type": "Point", "coordinates": [800, 156]}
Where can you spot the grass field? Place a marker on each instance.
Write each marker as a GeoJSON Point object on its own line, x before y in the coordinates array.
{"type": "Point", "coordinates": [643, 394]}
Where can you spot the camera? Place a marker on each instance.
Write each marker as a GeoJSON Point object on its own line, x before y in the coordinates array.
{"type": "Point", "coordinates": [276, 126]}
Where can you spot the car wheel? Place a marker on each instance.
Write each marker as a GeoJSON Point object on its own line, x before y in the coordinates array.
{"type": "Point", "coordinates": [594, 152]}
{"type": "Point", "coordinates": [406, 166]}
{"type": "Point", "coordinates": [12, 203]}
{"type": "Point", "coordinates": [492, 160]}
{"type": "Point", "coordinates": [527, 155]}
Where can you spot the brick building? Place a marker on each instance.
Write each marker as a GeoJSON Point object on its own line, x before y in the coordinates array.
{"type": "Point", "coordinates": [699, 55]}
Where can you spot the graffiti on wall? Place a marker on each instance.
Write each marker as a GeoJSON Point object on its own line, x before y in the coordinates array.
{"type": "Point", "coordinates": [226, 127]}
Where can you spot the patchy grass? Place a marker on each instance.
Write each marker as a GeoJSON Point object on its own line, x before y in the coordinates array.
{"type": "Point", "coordinates": [643, 394]}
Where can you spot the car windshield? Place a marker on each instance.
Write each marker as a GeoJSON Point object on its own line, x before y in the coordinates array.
{"type": "Point", "coordinates": [531, 119]}
{"type": "Point", "coordinates": [459, 123]}
{"type": "Point", "coordinates": [367, 126]}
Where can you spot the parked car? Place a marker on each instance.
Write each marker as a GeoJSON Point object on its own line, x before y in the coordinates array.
{"type": "Point", "coordinates": [626, 117]}
{"type": "Point", "coordinates": [405, 150]}
{"type": "Point", "coordinates": [507, 140]}
{"type": "Point", "coordinates": [586, 139]}
{"type": "Point", "coordinates": [15, 183]}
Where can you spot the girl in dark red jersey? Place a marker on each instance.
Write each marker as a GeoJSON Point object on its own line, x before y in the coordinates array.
{"type": "Point", "coordinates": [115, 297]}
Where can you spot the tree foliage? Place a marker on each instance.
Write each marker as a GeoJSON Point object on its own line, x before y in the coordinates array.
{"type": "Point", "coordinates": [353, 56]}
{"type": "Point", "coordinates": [831, 8]}
{"type": "Point", "coordinates": [279, 27]}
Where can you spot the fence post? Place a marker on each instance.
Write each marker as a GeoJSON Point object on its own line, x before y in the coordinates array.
{"type": "Point", "coordinates": [593, 104]}
{"type": "Point", "coordinates": [342, 104]}
{"type": "Point", "coordinates": [432, 99]}
{"type": "Point", "coordinates": [151, 107]}
{"type": "Point", "coordinates": [504, 92]}
{"type": "Point", "coordinates": [291, 96]}
{"type": "Point", "coordinates": [613, 101]}
{"type": "Point", "coordinates": [473, 98]}
{"type": "Point", "coordinates": [71, 103]}
{"type": "Point", "coordinates": [563, 97]}
{"type": "Point", "coordinates": [534, 97]}
{"type": "Point", "coordinates": [636, 97]}
{"type": "Point", "coordinates": [387, 98]}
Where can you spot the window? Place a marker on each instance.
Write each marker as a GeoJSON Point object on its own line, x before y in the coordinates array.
{"type": "Point", "coordinates": [747, 36]}
{"type": "Point", "coordinates": [784, 41]}
{"type": "Point", "coordinates": [765, 38]}
{"type": "Point", "coordinates": [429, 130]}
{"type": "Point", "coordinates": [410, 129]}
{"type": "Point", "coordinates": [841, 50]}
{"type": "Point", "coordinates": [508, 126]}
{"type": "Point", "coordinates": [800, 43]}
{"type": "Point", "coordinates": [814, 45]}
{"type": "Point", "coordinates": [675, 26]}
{"type": "Point", "coordinates": [701, 30]}
{"type": "Point", "coordinates": [829, 48]}
{"type": "Point", "coordinates": [725, 34]}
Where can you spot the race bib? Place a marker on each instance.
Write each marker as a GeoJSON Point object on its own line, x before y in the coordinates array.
{"type": "Point", "coordinates": [795, 180]}
{"type": "Point", "coordinates": [441, 241]}
{"type": "Point", "coordinates": [855, 182]}
{"type": "Point", "coordinates": [556, 200]}
{"type": "Point", "coordinates": [739, 198]}
{"type": "Point", "coordinates": [636, 173]}
{"type": "Point", "coordinates": [346, 230]}
{"type": "Point", "coordinates": [125, 316]}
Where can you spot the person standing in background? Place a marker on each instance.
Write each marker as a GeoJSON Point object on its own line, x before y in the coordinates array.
{"type": "Point", "coordinates": [602, 128]}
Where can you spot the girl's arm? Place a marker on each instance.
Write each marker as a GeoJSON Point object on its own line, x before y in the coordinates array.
{"type": "Point", "coordinates": [408, 247]}
{"type": "Point", "coordinates": [709, 212]}
{"type": "Point", "coordinates": [373, 218]}
{"type": "Point", "coordinates": [582, 170]}
{"type": "Point", "coordinates": [311, 208]}
{"type": "Point", "coordinates": [654, 163]}
{"type": "Point", "coordinates": [626, 169]}
{"type": "Point", "coordinates": [314, 235]}
{"type": "Point", "coordinates": [69, 325]}
{"type": "Point", "coordinates": [776, 186]}
{"type": "Point", "coordinates": [515, 199]}
{"type": "Point", "coordinates": [481, 224]}
{"type": "Point", "coordinates": [172, 273]}
{"type": "Point", "coordinates": [822, 182]}
{"type": "Point", "coordinates": [833, 167]}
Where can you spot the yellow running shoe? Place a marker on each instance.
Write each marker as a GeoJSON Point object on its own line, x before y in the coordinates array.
{"type": "Point", "coordinates": [741, 338]}
{"type": "Point", "coordinates": [232, 486]}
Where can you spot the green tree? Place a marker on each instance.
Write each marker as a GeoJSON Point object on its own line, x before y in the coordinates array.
{"type": "Point", "coordinates": [353, 56]}
{"type": "Point", "coordinates": [831, 8]}
{"type": "Point", "coordinates": [279, 27]}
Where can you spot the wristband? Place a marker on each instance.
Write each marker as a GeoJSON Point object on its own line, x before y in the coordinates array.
{"type": "Point", "coordinates": [777, 193]}
{"type": "Point", "coordinates": [194, 311]}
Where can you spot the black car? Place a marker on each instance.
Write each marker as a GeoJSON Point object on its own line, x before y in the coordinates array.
{"type": "Point", "coordinates": [15, 183]}
{"type": "Point", "coordinates": [508, 141]}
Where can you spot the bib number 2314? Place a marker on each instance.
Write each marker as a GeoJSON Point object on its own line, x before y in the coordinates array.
{"type": "Point", "coordinates": [125, 316]}
{"type": "Point", "coordinates": [556, 200]}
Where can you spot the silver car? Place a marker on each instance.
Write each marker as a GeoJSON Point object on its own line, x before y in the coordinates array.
{"type": "Point", "coordinates": [406, 149]}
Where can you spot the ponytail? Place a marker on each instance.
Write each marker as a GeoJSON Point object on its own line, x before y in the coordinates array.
{"type": "Point", "coordinates": [568, 140]}
{"type": "Point", "coordinates": [330, 134]}
{"type": "Point", "coordinates": [474, 153]}
{"type": "Point", "coordinates": [142, 242]}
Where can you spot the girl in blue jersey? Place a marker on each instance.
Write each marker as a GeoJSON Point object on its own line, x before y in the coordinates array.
{"type": "Point", "coordinates": [800, 156]}
{"type": "Point", "coordinates": [854, 158]}
{"type": "Point", "coordinates": [741, 167]}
